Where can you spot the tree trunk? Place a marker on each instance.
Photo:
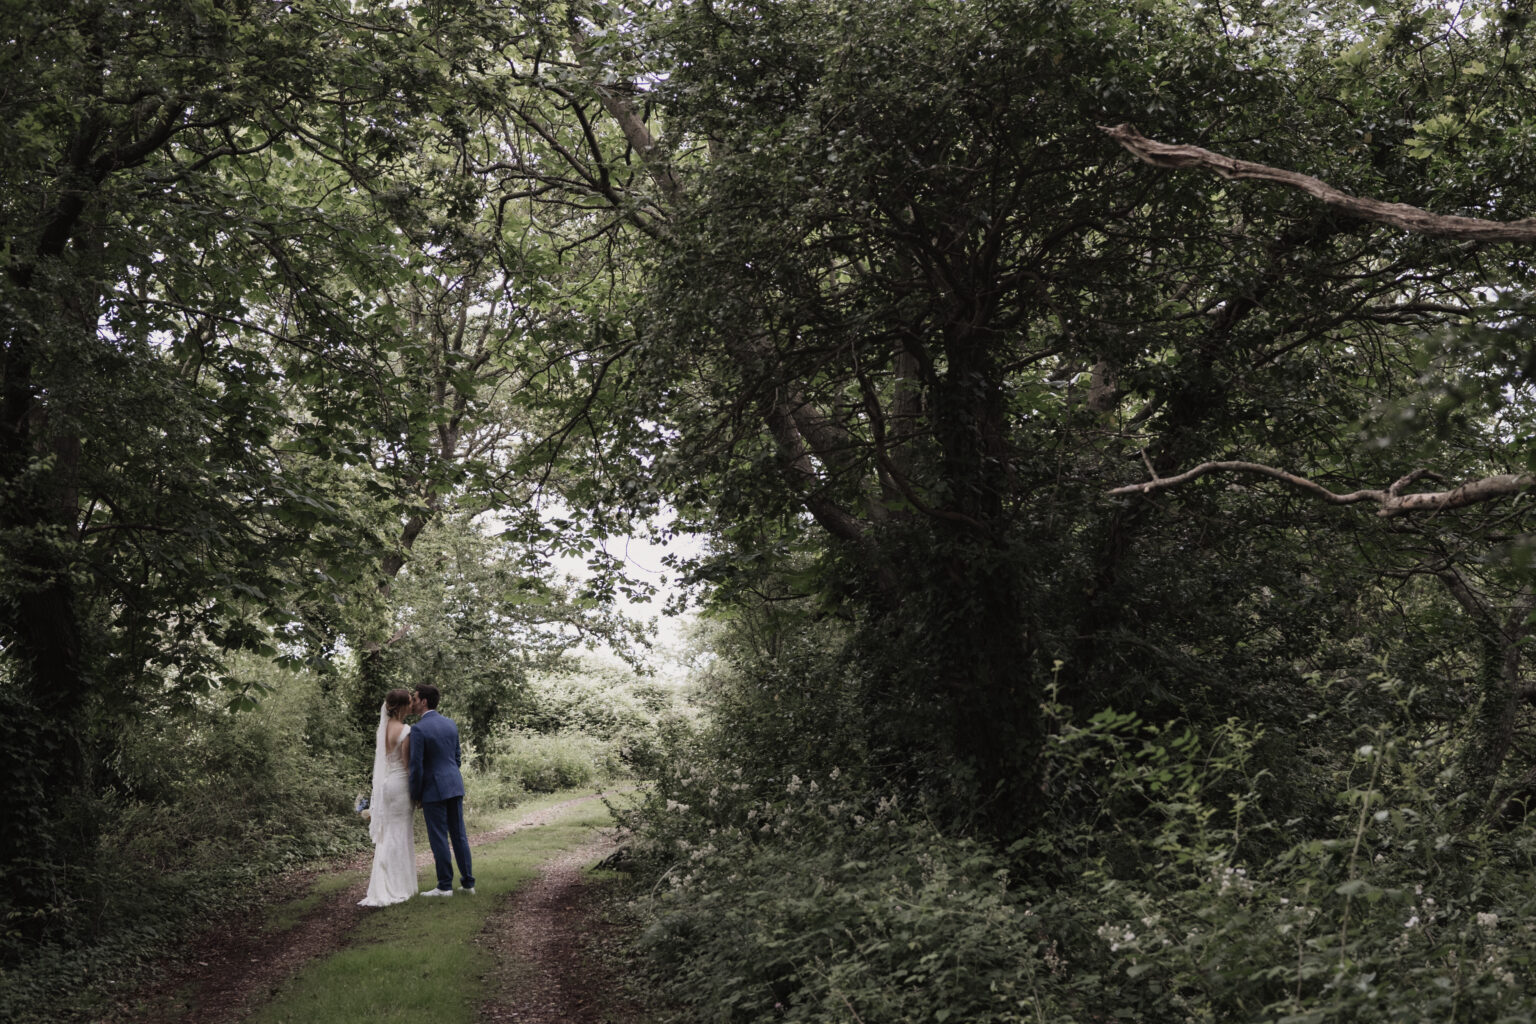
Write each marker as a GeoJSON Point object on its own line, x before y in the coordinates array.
{"type": "Point", "coordinates": [1500, 693]}
{"type": "Point", "coordinates": [984, 660]}
{"type": "Point", "coordinates": [39, 626]}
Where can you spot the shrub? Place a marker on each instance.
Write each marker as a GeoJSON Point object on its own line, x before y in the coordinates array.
{"type": "Point", "coordinates": [206, 803]}
{"type": "Point", "coordinates": [1158, 892]}
{"type": "Point", "coordinates": [827, 904]}
{"type": "Point", "coordinates": [600, 699]}
{"type": "Point", "coordinates": [540, 763]}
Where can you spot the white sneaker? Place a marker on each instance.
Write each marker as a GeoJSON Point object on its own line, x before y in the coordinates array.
{"type": "Point", "coordinates": [470, 890]}
{"type": "Point", "coordinates": [437, 892]}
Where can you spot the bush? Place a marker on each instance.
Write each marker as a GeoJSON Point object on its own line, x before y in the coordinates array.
{"type": "Point", "coordinates": [1154, 889]}
{"type": "Point", "coordinates": [522, 760]}
{"type": "Point", "coordinates": [827, 904]}
{"type": "Point", "coordinates": [206, 803]}
{"type": "Point", "coordinates": [599, 699]}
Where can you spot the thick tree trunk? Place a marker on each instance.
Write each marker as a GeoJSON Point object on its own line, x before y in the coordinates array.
{"type": "Point", "coordinates": [39, 629]}
{"type": "Point", "coordinates": [984, 657]}
{"type": "Point", "coordinates": [373, 668]}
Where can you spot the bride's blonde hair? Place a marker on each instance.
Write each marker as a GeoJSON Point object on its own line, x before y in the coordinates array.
{"type": "Point", "coordinates": [394, 700]}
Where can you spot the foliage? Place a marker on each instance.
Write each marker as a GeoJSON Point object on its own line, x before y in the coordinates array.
{"type": "Point", "coordinates": [601, 697]}
{"type": "Point", "coordinates": [293, 294]}
{"type": "Point", "coordinates": [523, 762]}
{"type": "Point", "coordinates": [475, 615]}
{"type": "Point", "coordinates": [588, 723]}
{"type": "Point", "coordinates": [1180, 901]}
{"type": "Point", "coordinates": [187, 327]}
{"type": "Point", "coordinates": [208, 805]}
{"type": "Point", "coordinates": [915, 317]}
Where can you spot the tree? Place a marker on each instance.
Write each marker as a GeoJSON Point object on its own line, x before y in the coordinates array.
{"type": "Point", "coordinates": [1502, 631]}
{"type": "Point", "coordinates": [905, 291]}
{"type": "Point", "coordinates": [175, 265]}
{"type": "Point", "coordinates": [477, 616]}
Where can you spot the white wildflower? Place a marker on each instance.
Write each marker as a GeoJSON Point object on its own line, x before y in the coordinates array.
{"type": "Point", "coordinates": [1486, 920]}
{"type": "Point", "coordinates": [1229, 878]}
{"type": "Point", "coordinates": [1117, 937]}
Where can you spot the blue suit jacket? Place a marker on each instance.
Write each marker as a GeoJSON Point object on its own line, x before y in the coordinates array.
{"type": "Point", "coordinates": [435, 759]}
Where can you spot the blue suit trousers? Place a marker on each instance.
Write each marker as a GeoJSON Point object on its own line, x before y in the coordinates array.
{"type": "Point", "coordinates": [445, 831]}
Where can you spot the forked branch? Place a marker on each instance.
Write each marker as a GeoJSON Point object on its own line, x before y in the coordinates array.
{"type": "Point", "coordinates": [1390, 502]}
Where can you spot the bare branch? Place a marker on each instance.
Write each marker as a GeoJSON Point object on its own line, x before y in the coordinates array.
{"type": "Point", "coordinates": [1398, 215]}
{"type": "Point", "coordinates": [1391, 501]}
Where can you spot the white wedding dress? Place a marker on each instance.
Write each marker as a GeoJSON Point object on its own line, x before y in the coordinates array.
{"type": "Point", "coordinates": [391, 824]}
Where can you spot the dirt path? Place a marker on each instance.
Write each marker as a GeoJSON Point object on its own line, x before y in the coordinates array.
{"type": "Point", "coordinates": [229, 970]}
{"type": "Point", "coordinates": [548, 943]}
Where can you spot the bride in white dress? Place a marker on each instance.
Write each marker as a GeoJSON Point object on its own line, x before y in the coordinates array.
{"type": "Point", "coordinates": [391, 821]}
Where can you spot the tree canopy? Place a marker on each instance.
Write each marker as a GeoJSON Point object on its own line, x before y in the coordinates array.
{"type": "Point", "coordinates": [1024, 362]}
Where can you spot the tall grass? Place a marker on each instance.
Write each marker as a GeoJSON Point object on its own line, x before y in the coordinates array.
{"type": "Point", "coordinates": [1175, 897]}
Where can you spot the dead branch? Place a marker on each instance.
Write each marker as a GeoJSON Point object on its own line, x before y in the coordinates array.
{"type": "Point", "coordinates": [1391, 501]}
{"type": "Point", "coordinates": [1399, 215]}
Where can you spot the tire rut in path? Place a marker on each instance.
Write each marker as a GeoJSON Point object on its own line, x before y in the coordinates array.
{"type": "Point", "coordinates": [232, 968]}
{"type": "Point", "coordinates": [545, 940]}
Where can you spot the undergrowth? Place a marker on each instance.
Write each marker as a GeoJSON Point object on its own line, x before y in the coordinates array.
{"type": "Point", "coordinates": [1171, 897]}
{"type": "Point", "coordinates": [208, 806]}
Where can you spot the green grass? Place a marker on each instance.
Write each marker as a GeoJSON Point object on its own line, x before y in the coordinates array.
{"type": "Point", "coordinates": [418, 960]}
{"type": "Point", "coordinates": [478, 820]}
{"type": "Point", "coordinates": [279, 917]}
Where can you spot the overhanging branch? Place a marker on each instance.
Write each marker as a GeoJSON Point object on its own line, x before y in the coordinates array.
{"type": "Point", "coordinates": [1391, 501]}
{"type": "Point", "coordinates": [1399, 215]}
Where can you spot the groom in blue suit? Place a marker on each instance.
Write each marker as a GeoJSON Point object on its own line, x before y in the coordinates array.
{"type": "Point", "coordinates": [437, 785]}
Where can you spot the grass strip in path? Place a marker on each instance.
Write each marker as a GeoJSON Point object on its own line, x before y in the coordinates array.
{"type": "Point", "coordinates": [419, 960]}
{"type": "Point", "coordinates": [240, 962]}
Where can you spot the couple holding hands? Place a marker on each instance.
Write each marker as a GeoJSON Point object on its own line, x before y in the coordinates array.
{"type": "Point", "coordinates": [415, 767]}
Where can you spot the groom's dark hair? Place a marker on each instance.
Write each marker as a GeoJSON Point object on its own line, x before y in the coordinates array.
{"type": "Point", "coordinates": [428, 693]}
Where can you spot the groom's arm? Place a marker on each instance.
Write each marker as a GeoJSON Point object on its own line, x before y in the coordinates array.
{"type": "Point", "coordinates": [417, 776]}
